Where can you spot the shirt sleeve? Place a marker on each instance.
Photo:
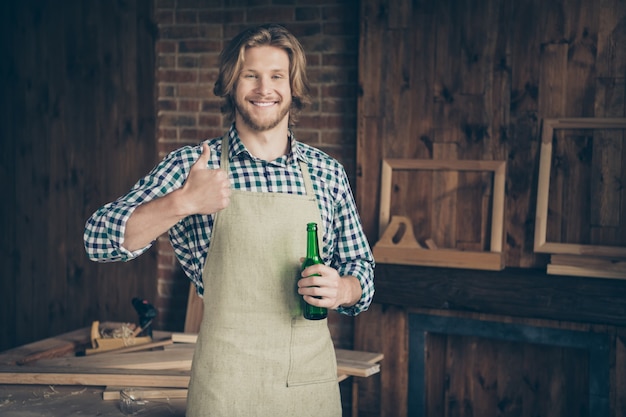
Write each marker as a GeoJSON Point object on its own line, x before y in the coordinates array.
{"type": "Point", "coordinates": [353, 255]}
{"type": "Point", "coordinates": [104, 230]}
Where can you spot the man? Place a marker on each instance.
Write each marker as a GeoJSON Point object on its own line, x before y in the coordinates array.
{"type": "Point", "coordinates": [236, 209]}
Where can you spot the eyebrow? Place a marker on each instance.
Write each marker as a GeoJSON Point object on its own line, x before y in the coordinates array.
{"type": "Point", "coordinates": [271, 70]}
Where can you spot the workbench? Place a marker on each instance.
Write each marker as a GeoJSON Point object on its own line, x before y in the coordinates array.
{"type": "Point", "coordinates": [46, 378]}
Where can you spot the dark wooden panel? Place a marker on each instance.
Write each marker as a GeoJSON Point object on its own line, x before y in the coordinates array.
{"type": "Point", "coordinates": [78, 78]}
{"type": "Point", "coordinates": [492, 368]}
{"type": "Point", "coordinates": [517, 292]}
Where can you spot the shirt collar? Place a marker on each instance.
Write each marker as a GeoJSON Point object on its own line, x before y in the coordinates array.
{"type": "Point", "coordinates": [237, 150]}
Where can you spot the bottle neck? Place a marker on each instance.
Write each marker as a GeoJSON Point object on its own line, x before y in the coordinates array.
{"type": "Point", "coordinates": [312, 249]}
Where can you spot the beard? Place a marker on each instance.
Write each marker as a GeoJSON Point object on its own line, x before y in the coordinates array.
{"type": "Point", "coordinates": [257, 123]}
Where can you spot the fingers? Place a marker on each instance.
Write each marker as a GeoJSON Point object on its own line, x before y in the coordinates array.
{"type": "Point", "coordinates": [205, 190]}
{"type": "Point", "coordinates": [203, 161]}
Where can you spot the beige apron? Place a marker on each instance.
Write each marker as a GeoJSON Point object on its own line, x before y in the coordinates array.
{"type": "Point", "coordinates": [256, 355]}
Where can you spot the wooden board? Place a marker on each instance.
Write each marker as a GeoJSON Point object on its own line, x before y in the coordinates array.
{"type": "Point", "coordinates": [156, 360]}
{"type": "Point", "coordinates": [584, 272]}
{"type": "Point", "coordinates": [113, 393]}
{"type": "Point", "coordinates": [92, 377]}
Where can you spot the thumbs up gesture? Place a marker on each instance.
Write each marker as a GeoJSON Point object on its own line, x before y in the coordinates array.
{"type": "Point", "coordinates": [205, 191]}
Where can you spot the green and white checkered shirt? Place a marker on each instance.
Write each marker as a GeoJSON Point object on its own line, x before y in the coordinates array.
{"type": "Point", "coordinates": [345, 247]}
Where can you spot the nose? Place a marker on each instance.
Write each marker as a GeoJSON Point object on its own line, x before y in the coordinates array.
{"type": "Point", "coordinates": [263, 85]}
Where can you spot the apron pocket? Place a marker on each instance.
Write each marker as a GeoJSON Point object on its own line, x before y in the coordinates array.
{"type": "Point", "coordinates": [312, 353]}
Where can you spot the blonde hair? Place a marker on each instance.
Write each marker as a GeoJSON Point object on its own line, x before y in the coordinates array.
{"type": "Point", "coordinates": [231, 60]}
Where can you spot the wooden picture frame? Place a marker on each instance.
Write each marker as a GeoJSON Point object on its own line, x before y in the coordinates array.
{"type": "Point", "coordinates": [408, 251]}
{"type": "Point", "coordinates": [541, 245]}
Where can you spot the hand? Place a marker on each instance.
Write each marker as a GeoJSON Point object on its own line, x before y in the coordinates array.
{"type": "Point", "coordinates": [205, 191]}
{"type": "Point", "coordinates": [322, 286]}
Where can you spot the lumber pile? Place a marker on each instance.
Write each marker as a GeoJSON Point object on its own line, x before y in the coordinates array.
{"type": "Point", "coordinates": [159, 369]}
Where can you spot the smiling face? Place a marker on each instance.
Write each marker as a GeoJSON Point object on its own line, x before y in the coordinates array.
{"type": "Point", "coordinates": [263, 91]}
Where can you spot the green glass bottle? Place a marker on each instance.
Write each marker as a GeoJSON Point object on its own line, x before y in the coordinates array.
{"type": "Point", "coordinates": [312, 257]}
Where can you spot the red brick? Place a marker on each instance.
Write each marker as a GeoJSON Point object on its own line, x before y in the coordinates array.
{"type": "Point", "coordinates": [312, 60]}
{"type": "Point", "coordinates": [309, 121]}
{"type": "Point", "coordinates": [198, 4]}
{"type": "Point", "coordinates": [199, 46]}
{"type": "Point", "coordinates": [341, 12]}
{"type": "Point", "coordinates": [166, 61]}
{"type": "Point", "coordinates": [197, 135]}
{"type": "Point", "coordinates": [209, 60]}
{"type": "Point", "coordinates": [166, 147]}
{"type": "Point", "coordinates": [189, 106]}
{"type": "Point", "coordinates": [337, 137]}
{"type": "Point", "coordinates": [177, 76]}
{"type": "Point", "coordinates": [339, 90]}
{"type": "Point", "coordinates": [338, 121]}
{"type": "Point", "coordinates": [166, 105]}
{"type": "Point", "coordinates": [208, 76]}
{"type": "Point", "coordinates": [168, 133]}
{"type": "Point", "coordinates": [336, 75]}
{"type": "Point", "coordinates": [176, 119]}
{"type": "Point", "coordinates": [211, 106]}
{"type": "Point", "coordinates": [339, 106]}
{"type": "Point", "coordinates": [205, 119]}
{"type": "Point", "coordinates": [187, 61]}
{"type": "Point", "coordinates": [209, 31]}
{"type": "Point", "coordinates": [221, 16]}
{"type": "Point", "coordinates": [167, 90]}
{"type": "Point", "coordinates": [166, 47]}
{"type": "Point", "coordinates": [308, 136]}
{"type": "Point", "coordinates": [270, 14]}
{"type": "Point", "coordinates": [177, 32]}
{"type": "Point", "coordinates": [195, 90]}
{"type": "Point", "coordinates": [343, 60]}
{"type": "Point", "coordinates": [307, 13]}
{"type": "Point", "coordinates": [305, 30]}
{"type": "Point", "coordinates": [341, 28]}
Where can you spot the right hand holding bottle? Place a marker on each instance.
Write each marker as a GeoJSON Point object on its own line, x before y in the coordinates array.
{"type": "Point", "coordinates": [206, 191]}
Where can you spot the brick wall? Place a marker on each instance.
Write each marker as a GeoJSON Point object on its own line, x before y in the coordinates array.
{"type": "Point", "coordinates": [191, 36]}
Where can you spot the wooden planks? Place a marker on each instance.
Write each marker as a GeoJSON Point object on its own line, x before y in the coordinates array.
{"type": "Point", "coordinates": [45, 375]}
{"type": "Point", "coordinates": [168, 366]}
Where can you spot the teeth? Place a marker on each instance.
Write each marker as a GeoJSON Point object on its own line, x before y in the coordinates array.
{"type": "Point", "coordinates": [263, 104]}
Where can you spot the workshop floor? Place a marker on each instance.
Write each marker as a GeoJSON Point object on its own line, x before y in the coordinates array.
{"type": "Point", "coordinates": [56, 401]}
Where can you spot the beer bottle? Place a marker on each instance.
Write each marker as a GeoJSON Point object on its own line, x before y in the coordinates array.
{"type": "Point", "coordinates": [312, 257]}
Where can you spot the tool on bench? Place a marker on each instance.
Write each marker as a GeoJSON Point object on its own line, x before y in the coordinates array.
{"type": "Point", "coordinates": [147, 313]}
{"type": "Point", "coordinates": [107, 339]}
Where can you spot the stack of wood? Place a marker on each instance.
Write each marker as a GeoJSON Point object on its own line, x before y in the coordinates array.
{"type": "Point", "coordinates": [587, 266]}
{"type": "Point", "coordinates": [160, 369]}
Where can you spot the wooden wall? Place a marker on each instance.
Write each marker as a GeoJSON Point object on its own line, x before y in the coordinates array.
{"type": "Point", "coordinates": [458, 79]}
{"type": "Point", "coordinates": [464, 79]}
{"type": "Point", "coordinates": [77, 128]}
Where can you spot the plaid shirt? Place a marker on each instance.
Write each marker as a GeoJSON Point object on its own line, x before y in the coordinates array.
{"type": "Point", "coordinates": [345, 247]}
